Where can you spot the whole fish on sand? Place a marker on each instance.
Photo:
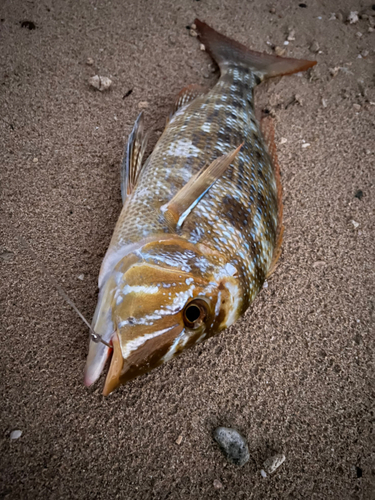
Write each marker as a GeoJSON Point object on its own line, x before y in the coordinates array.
{"type": "Point", "coordinates": [201, 225]}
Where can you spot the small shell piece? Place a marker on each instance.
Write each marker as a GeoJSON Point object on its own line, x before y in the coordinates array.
{"type": "Point", "coordinates": [100, 82]}
{"type": "Point", "coordinates": [273, 463]}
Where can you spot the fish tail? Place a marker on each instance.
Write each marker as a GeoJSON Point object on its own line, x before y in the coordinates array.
{"type": "Point", "coordinates": [227, 52]}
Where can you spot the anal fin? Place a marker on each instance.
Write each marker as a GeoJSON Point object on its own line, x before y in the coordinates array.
{"type": "Point", "coordinates": [179, 207]}
{"type": "Point", "coordinates": [268, 130]}
{"type": "Point", "coordinates": [131, 164]}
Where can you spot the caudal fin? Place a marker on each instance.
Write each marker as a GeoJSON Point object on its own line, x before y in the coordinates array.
{"type": "Point", "coordinates": [229, 52]}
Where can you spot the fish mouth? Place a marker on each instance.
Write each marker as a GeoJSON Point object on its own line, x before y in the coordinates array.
{"type": "Point", "coordinates": [96, 360]}
{"type": "Point", "coordinates": [154, 351]}
{"type": "Point", "coordinates": [112, 380]}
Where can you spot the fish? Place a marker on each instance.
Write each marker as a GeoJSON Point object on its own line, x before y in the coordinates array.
{"type": "Point", "coordinates": [201, 224]}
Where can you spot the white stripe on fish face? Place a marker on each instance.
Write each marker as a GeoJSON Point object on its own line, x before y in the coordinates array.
{"type": "Point", "coordinates": [179, 342]}
{"type": "Point", "coordinates": [235, 296]}
{"type": "Point", "coordinates": [133, 345]}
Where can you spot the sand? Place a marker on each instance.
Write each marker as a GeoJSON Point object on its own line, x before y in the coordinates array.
{"type": "Point", "coordinates": [295, 375]}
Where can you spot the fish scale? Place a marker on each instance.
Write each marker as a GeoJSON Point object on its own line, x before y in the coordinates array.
{"type": "Point", "coordinates": [219, 110]}
{"type": "Point", "coordinates": [201, 223]}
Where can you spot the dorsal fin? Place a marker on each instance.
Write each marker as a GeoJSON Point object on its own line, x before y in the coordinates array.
{"type": "Point", "coordinates": [226, 51]}
{"type": "Point", "coordinates": [268, 130]}
{"type": "Point", "coordinates": [131, 164]}
{"type": "Point", "coordinates": [187, 94]}
{"type": "Point", "coordinates": [179, 207]}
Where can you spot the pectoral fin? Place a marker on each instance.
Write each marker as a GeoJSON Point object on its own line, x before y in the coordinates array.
{"type": "Point", "coordinates": [188, 94]}
{"type": "Point", "coordinates": [179, 207]}
{"type": "Point", "coordinates": [131, 165]}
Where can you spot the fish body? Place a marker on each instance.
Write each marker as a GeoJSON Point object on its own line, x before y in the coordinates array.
{"type": "Point", "coordinates": [186, 261]}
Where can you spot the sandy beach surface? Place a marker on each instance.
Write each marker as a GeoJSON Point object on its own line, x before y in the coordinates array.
{"type": "Point", "coordinates": [296, 374]}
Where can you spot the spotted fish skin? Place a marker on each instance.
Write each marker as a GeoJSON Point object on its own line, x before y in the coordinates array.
{"type": "Point", "coordinates": [223, 250]}
{"type": "Point", "coordinates": [238, 215]}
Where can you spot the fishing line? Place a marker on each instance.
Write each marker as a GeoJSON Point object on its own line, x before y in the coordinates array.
{"type": "Point", "coordinates": [95, 337]}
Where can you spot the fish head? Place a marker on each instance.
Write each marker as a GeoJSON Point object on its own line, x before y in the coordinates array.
{"type": "Point", "coordinates": [170, 298]}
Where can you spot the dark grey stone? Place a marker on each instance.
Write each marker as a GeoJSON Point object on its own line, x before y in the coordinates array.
{"type": "Point", "coordinates": [232, 444]}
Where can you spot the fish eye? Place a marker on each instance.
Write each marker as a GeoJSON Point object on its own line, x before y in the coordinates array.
{"type": "Point", "coordinates": [195, 313]}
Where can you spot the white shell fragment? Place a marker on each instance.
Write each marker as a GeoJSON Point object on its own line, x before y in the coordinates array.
{"type": "Point", "coordinates": [273, 463]}
{"type": "Point", "coordinates": [291, 35]}
{"type": "Point", "coordinates": [100, 82]}
{"type": "Point", "coordinates": [15, 434]}
{"type": "Point", "coordinates": [353, 17]}
{"type": "Point", "coordinates": [143, 105]}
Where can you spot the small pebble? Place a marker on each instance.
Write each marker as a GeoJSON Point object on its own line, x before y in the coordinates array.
{"type": "Point", "coordinates": [334, 71]}
{"type": "Point", "coordinates": [193, 26]}
{"type": "Point", "coordinates": [81, 277]}
{"type": "Point", "coordinates": [272, 10]}
{"type": "Point", "coordinates": [172, 39]}
{"type": "Point", "coordinates": [340, 16]}
{"type": "Point", "coordinates": [306, 145]}
{"type": "Point", "coordinates": [100, 82]}
{"type": "Point", "coordinates": [89, 61]}
{"type": "Point", "coordinates": [353, 17]}
{"type": "Point", "coordinates": [357, 107]}
{"type": "Point", "coordinates": [283, 140]}
{"type": "Point", "coordinates": [192, 32]}
{"type": "Point", "coordinates": [262, 473]}
{"type": "Point", "coordinates": [314, 47]}
{"type": "Point", "coordinates": [286, 42]}
{"type": "Point", "coordinates": [179, 439]}
{"type": "Point", "coordinates": [279, 51]}
{"type": "Point", "coordinates": [143, 105]}
{"type": "Point", "coordinates": [15, 434]}
{"type": "Point", "coordinates": [364, 53]}
{"type": "Point", "coordinates": [273, 463]}
{"type": "Point", "coordinates": [35, 160]}
{"type": "Point", "coordinates": [319, 263]}
{"type": "Point", "coordinates": [6, 256]}
{"type": "Point", "coordinates": [355, 224]}
{"type": "Point", "coordinates": [324, 103]}
{"type": "Point", "coordinates": [291, 35]}
{"type": "Point", "coordinates": [359, 34]}
{"type": "Point", "coordinates": [332, 17]}
{"type": "Point", "coordinates": [218, 484]}
{"type": "Point", "coordinates": [202, 47]}
{"type": "Point", "coordinates": [233, 445]}
{"type": "Point", "coordinates": [265, 284]}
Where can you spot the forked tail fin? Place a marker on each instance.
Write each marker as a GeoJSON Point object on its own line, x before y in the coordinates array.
{"type": "Point", "coordinates": [229, 52]}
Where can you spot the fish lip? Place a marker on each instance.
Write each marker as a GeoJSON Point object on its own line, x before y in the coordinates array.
{"type": "Point", "coordinates": [96, 360]}
{"type": "Point", "coordinates": [112, 380]}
